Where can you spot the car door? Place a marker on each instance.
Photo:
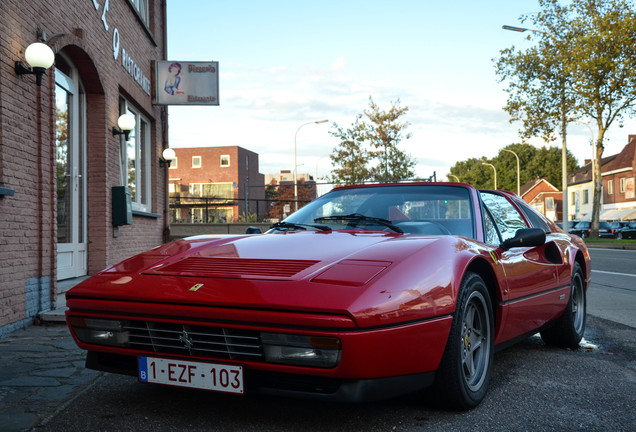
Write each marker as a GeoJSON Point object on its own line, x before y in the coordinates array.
{"type": "Point", "coordinates": [534, 287]}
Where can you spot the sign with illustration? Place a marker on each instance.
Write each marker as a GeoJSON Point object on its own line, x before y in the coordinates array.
{"type": "Point", "coordinates": [629, 188]}
{"type": "Point", "coordinates": [186, 83]}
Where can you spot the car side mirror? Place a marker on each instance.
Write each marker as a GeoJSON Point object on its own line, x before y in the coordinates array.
{"type": "Point", "coordinates": [525, 237]}
{"type": "Point", "coordinates": [253, 230]}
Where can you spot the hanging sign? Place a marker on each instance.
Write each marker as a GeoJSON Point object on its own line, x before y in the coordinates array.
{"type": "Point", "coordinates": [186, 83]}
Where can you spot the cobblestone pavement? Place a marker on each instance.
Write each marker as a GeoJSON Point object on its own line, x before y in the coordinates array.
{"type": "Point", "coordinates": [41, 371]}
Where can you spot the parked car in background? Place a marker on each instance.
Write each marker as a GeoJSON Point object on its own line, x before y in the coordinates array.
{"type": "Point", "coordinates": [571, 225]}
{"type": "Point", "coordinates": [584, 228]}
{"type": "Point", "coordinates": [629, 232]}
{"type": "Point", "coordinates": [618, 226]}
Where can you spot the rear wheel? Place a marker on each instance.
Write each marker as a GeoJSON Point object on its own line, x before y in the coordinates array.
{"type": "Point", "coordinates": [464, 373]}
{"type": "Point", "coordinates": [568, 330]}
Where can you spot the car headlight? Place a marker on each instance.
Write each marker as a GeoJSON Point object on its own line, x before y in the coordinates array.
{"type": "Point", "coordinates": [301, 350]}
{"type": "Point", "coordinates": [100, 331]}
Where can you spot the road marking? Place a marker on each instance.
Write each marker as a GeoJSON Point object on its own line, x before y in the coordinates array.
{"type": "Point", "coordinates": [613, 273]}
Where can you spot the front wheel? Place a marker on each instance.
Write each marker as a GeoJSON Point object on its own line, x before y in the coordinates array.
{"type": "Point", "coordinates": [464, 373]}
{"type": "Point", "coordinates": [567, 331]}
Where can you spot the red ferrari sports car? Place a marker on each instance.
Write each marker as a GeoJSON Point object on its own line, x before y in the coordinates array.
{"type": "Point", "coordinates": [368, 292]}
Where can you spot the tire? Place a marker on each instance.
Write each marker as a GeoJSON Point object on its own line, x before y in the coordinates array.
{"type": "Point", "coordinates": [567, 331]}
{"type": "Point", "coordinates": [464, 373]}
{"type": "Point", "coordinates": [619, 235]}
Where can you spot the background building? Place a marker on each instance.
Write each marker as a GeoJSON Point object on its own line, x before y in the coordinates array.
{"type": "Point", "coordinates": [59, 157]}
{"type": "Point", "coordinates": [544, 197]}
{"type": "Point", "coordinates": [618, 198]}
{"type": "Point", "coordinates": [213, 184]}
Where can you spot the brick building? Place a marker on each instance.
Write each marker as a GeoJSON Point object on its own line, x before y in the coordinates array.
{"type": "Point", "coordinates": [618, 196]}
{"type": "Point", "coordinates": [59, 157]}
{"type": "Point", "coordinates": [544, 197]}
{"type": "Point", "coordinates": [212, 185]}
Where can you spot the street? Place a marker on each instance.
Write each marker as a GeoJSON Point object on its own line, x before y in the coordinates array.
{"type": "Point", "coordinates": [533, 387]}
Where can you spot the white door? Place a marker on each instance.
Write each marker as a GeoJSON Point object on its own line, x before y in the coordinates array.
{"type": "Point", "coordinates": [70, 143]}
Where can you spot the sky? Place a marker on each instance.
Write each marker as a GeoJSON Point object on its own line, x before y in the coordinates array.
{"type": "Point", "coordinates": [284, 63]}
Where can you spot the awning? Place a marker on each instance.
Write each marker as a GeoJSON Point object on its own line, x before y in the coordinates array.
{"type": "Point", "coordinates": [630, 216]}
{"type": "Point", "coordinates": [618, 214]}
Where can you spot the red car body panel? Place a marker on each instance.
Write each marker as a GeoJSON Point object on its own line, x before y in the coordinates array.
{"type": "Point", "coordinates": [388, 297]}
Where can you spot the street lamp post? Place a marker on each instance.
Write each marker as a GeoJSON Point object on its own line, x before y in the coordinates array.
{"type": "Point", "coordinates": [494, 169]}
{"type": "Point", "coordinates": [518, 171]}
{"type": "Point", "coordinates": [564, 152]}
{"type": "Point", "coordinates": [296, 162]}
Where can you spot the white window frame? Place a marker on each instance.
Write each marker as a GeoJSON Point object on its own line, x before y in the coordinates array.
{"type": "Point", "coordinates": [228, 161]}
{"type": "Point", "coordinates": [142, 199]}
{"type": "Point", "coordinates": [610, 187]}
{"type": "Point", "coordinates": [143, 9]}
{"type": "Point", "coordinates": [200, 162]}
{"type": "Point", "coordinates": [173, 163]}
{"type": "Point", "coordinates": [623, 183]}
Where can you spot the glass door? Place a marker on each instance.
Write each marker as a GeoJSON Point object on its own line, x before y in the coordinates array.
{"type": "Point", "coordinates": [70, 149]}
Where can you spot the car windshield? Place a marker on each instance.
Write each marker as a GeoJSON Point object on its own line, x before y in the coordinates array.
{"type": "Point", "coordinates": [421, 209]}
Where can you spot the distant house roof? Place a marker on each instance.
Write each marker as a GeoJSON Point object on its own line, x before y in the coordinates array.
{"type": "Point", "coordinates": [532, 184]}
{"type": "Point", "coordinates": [625, 159]}
{"type": "Point", "coordinates": [584, 174]}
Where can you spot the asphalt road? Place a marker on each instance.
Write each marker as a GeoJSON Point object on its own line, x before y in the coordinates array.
{"type": "Point", "coordinates": [534, 387]}
{"type": "Point", "coordinates": [612, 294]}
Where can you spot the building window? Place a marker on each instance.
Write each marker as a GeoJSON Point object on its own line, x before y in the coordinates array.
{"type": "Point", "coordinates": [610, 187]}
{"type": "Point", "coordinates": [223, 191]}
{"type": "Point", "coordinates": [225, 160]}
{"type": "Point", "coordinates": [196, 161]}
{"type": "Point", "coordinates": [623, 182]}
{"type": "Point", "coordinates": [135, 160]}
{"type": "Point", "coordinates": [141, 6]}
{"type": "Point", "coordinates": [173, 164]}
{"type": "Point", "coordinates": [549, 203]}
{"type": "Point", "coordinates": [586, 196]}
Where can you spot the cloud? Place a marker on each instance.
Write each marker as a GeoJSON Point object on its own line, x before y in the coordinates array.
{"type": "Point", "coordinates": [339, 64]}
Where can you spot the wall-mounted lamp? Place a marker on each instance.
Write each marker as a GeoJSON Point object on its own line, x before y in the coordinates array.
{"type": "Point", "coordinates": [168, 156]}
{"type": "Point", "coordinates": [126, 123]}
{"type": "Point", "coordinates": [40, 57]}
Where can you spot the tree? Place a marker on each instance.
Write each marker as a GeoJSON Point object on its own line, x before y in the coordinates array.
{"type": "Point", "coordinates": [350, 158]}
{"type": "Point", "coordinates": [544, 162]}
{"type": "Point", "coordinates": [585, 61]}
{"type": "Point", "coordinates": [540, 88]}
{"type": "Point", "coordinates": [384, 132]}
{"type": "Point", "coordinates": [368, 150]}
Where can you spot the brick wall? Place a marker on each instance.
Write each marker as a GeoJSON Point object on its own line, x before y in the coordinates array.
{"type": "Point", "coordinates": [244, 166]}
{"type": "Point", "coordinates": [28, 228]}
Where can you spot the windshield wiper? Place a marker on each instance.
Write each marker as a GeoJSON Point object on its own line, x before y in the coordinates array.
{"type": "Point", "coordinates": [299, 226]}
{"type": "Point", "coordinates": [360, 218]}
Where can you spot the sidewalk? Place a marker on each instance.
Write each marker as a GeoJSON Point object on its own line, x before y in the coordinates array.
{"type": "Point", "coordinates": [41, 371]}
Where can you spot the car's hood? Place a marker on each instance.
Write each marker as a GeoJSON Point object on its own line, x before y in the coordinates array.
{"type": "Point", "coordinates": [310, 271]}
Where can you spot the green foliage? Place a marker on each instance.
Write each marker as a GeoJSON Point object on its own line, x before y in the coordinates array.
{"type": "Point", "coordinates": [251, 218]}
{"type": "Point", "coordinates": [368, 150]}
{"type": "Point", "coordinates": [544, 162]}
{"type": "Point", "coordinates": [350, 158]}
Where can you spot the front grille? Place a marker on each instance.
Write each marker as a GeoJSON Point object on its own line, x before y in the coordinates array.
{"type": "Point", "coordinates": [183, 339]}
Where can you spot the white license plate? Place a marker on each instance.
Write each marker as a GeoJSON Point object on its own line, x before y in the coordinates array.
{"type": "Point", "coordinates": [191, 374]}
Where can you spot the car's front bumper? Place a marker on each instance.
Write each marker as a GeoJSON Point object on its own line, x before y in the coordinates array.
{"type": "Point", "coordinates": [258, 382]}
